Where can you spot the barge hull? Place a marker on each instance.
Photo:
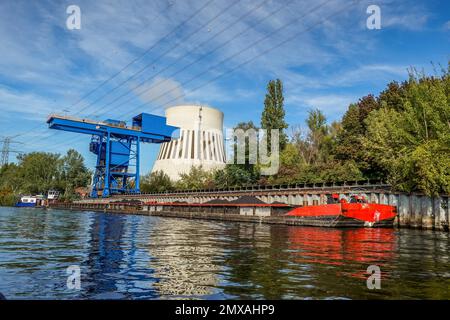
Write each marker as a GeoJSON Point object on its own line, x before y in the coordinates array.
{"type": "Point", "coordinates": [204, 215]}
{"type": "Point", "coordinates": [340, 221]}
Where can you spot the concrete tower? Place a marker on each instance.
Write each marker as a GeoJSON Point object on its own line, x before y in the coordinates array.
{"type": "Point", "coordinates": [200, 142]}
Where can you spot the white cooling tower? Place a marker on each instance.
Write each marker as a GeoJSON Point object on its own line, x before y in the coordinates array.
{"type": "Point", "coordinates": [200, 142]}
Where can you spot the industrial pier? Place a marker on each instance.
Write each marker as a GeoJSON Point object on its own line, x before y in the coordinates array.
{"type": "Point", "coordinates": [115, 186]}
{"type": "Point", "coordinates": [414, 210]}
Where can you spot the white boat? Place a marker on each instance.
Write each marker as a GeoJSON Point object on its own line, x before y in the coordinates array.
{"type": "Point", "coordinates": [52, 195]}
{"type": "Point", "coordinates": [28, 201]}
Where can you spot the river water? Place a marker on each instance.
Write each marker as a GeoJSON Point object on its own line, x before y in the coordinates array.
{"type": "Point", "coordinates": [141, 257]}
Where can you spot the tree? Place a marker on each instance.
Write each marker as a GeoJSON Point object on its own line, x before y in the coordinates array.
{"type": "Point", "coordinates": [38, 172]}
{"type": "Point", "coordinates": [74, 173]}
{"type": "Point", "coordinates": [349, 140]}
{"type": "Point", "coordinates": [156, 182]}
{"type": "Point", "coordinates": [393, 96]}
{"type": "Point", "coordinates": [291, 163]}
{"type": "Point", "coordinates": [235, 175]}
{"type": "Point", "coordinates": [413, 142]}
{"type": "Point", "coordinates": [244, 144]}
{"type": "Point", "coordinates": [309, 157]}
{"type": "Point", "coordinates": [273, 114]}
{"type": "Point", "coordinates": [196, 178]}
{"type": "Point", "coordinates": [318, 130]}
{"type": "Point", "coordinates": [9, 177]}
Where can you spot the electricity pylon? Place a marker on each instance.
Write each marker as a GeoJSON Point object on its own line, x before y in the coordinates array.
{"type": "Point", "coordinates": [7, 141]}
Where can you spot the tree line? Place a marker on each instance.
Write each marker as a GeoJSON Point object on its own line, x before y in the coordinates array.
{"type": "Point", "coordinates": [401, 136]}
{"type": "Point", "coordinates": [39, 172]}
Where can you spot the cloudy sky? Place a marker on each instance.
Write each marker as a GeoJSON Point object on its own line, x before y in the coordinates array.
{"type": "Point", "coordinates": [136, 56]}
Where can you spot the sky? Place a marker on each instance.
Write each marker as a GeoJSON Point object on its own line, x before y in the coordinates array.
{"type": "Point", "coordinates": [136, 56]}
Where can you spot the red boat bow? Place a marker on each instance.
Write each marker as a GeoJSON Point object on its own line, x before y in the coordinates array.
{"type": "Point", "coordinates": [347, 214]}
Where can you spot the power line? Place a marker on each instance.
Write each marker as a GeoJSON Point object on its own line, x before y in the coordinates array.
{"type": "Point", "coordinates": [246, 62]}
{"type": "Point", "coordinates": [134, 60]}
{"type": "Point", "coordinates": [7, 141]}
{"type": "Point", "coordinates": [5, 151]}
{"type": "Point", "coordinates": [191, 34]}
{"type": "Point", "coordinates": [268, 50]}
{"type": "Point", "coordinates": [142, 83]}
{"type": "Point", "coordinates": [265, 51]}
{"type": "Point", "coordinates": [239, 52]}
{"type": "Point", "coordinates": [210, 52]}
{"type": "Point", "coordinates": [159, 57]}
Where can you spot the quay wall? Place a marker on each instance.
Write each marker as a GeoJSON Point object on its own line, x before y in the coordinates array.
{"type": "Point", "coordinates": [414, 210]}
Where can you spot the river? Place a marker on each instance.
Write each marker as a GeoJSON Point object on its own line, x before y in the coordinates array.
{"type": "Point", "coordinates": [142, 257]}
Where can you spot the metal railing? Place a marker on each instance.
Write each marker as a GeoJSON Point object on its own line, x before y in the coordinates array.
{"type": "Point", "coordinates": [362, 184]}
{"type": "Point", "coordinates": [102, 123]}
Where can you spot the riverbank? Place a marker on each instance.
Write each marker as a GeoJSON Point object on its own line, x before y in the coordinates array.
{"type": "Point", "coordinates": [204, 214]}
{"type": "Point", "coordinates": [262, 213]}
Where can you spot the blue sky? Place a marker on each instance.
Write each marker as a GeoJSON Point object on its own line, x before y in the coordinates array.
{"type": "Point", "coordinates": [222, 56]}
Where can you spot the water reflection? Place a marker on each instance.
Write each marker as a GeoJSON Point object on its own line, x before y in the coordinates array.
{"type": "Point", "coordinates": [139, 257]}
{"type": "Point", "coordinates": [103, 263]}
{"type": "Point", "coordinates": [338, 246]}
{"type": "Point", "coordinates": [117, 265]}
{"type": "Point", "coordinates": [184, 258]}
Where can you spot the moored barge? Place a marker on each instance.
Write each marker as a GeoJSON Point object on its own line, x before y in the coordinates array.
{"type": "Point", "coordinates": [356, 213]}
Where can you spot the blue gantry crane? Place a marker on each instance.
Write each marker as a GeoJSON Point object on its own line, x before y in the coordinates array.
{"type": "Point", "coordinates": [117, 147]}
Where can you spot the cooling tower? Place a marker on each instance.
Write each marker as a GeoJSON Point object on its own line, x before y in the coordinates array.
{"type": "Point", "coordinates": [200, 141]}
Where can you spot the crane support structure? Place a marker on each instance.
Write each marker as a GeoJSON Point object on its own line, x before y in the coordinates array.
{"type": "Point", "coordinates": [117, 147]}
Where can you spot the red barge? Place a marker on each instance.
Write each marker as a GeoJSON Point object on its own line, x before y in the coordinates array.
{"type": "Point", "coordinates": [356, 213]}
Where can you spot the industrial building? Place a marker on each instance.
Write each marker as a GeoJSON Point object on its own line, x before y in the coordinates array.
{"type": "Point", "coordinates": [200, 143]}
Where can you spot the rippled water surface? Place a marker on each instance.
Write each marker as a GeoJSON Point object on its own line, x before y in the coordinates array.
{"type": "Point", "coordinates": [141, 257]}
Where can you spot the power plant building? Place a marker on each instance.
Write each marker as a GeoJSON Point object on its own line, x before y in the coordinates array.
{"type": "Point", "coordinates": [200, 142]}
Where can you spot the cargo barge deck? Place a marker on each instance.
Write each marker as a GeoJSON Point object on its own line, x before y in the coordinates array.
{"type": "Point", "coordinates": [274, 213]}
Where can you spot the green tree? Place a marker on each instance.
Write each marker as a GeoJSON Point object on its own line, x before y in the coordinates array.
{"type": "Point", "coordinates": [236, 175]}
{"type": "Point", "coordinates": [349, 144]}
{"type": "Point", "coordinates": [196, 178]}
{"type": "Point", "coordinates": [393, 96]}
{"type": "Point", "coordinates": [413, 142]}
{"type": "Point", "coordinates": [291, 163]}
{"type": "Point", "coordinates": [273, 114]}
{"type": "Point", "coordinates": [318, 131]}
{"type": "Point", "coordinates": [244, 144]}
{"type": "Point", "coordinates": [9, 178]}
{"type": "Point", "coordinates": [7, 197]}
{"type": "Point", "coordinates": [73, 173]}
{"type": "Point", "coordinates": [156, 182]}
{"type": "Point", "coordinates": [38, 172]}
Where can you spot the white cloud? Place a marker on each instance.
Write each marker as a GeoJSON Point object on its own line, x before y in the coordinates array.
{"type": "Point", "coordinates": [161, 92]}
{"type": "Point", "coordinates": [404, 15]}
{"type": "Point", "coordinates": [50, 67]}
{"type": "Point", "coordinates": [26, 106]}
{"type": "Point", "coordinates": [332, 105]}
{"type": "Point", "coordinates": [413, 21]}
{"type": "Point", "coordinates": [369, 74]}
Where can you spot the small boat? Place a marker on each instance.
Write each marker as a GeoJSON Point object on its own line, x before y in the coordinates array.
{"type": "Point", "coordinates": [52, 195]}
{"type": "Point", "coordinates": [30, 202]}
{"type": "Point", "coordinates": [356, 213]}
